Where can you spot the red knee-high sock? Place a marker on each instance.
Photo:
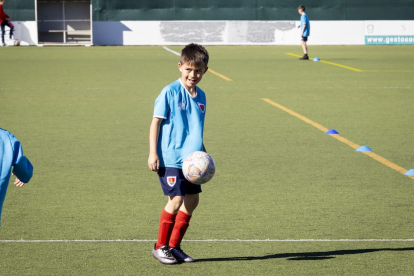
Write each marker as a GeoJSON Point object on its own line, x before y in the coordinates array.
{"type": "Point", "coordinates": [182, 221]}
{"type": "Point", "coordinates": [165, 229]}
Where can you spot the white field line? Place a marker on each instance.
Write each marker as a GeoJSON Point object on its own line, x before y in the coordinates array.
{"type": "Point", "coordinates": [171, 51]}
{"type": "Point", "coordinates": [216, 240]}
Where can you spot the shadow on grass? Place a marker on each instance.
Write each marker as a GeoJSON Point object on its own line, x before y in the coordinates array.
{"type": "Point", "coordinates": [306, 256]}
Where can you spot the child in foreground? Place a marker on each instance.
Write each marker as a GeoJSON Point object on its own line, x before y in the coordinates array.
{"type": "Point", "coordinates": [11, 155]}
{"type": "Point", "coordinates": [176, 131]}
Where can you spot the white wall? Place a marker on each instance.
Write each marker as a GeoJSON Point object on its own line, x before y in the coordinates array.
{"type": "Point", "coordinates": [244, 32]}
{"type": "Point", "coordinates": [337, 33]}
{"type": "Point", "coordinates": [25, 31]}
{"type": "Point", "coordinates": [237, 32]}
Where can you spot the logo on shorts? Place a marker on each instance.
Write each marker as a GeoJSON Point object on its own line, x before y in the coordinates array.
{"type": "Point", "coordinates": [171, 180]}
{"type": "Point", "coordinates": [202, 107]}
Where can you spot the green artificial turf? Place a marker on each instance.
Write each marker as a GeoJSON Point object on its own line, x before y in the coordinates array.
{"type": "Point", "coordinates": [83, 115]}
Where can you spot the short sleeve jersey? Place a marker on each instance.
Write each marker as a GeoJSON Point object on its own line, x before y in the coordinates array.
{"type": "Point", "coordinates": [11, 155]}
{"type": "Point", "coordinates": [305, 20]}
{"type": "Point", "coordinates": [181, 131]}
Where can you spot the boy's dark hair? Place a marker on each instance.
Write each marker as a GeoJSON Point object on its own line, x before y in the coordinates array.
{"type": "Point", "coordinates": [194, 54]}
{"type": "Point", "coordinates": [301, 7]}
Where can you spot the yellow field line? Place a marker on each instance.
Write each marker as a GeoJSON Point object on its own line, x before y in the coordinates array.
{"type": "Point", "coordinates": [297, 115]}
{"type": "Point", "coordinates": [218, 74]}
{"type": "Point", "coordinates": [293, 55]}
{"type": "Point", "coordinates": [345, 141]}
{"type": "Point", "coordinates": [353, 145]}
{"type": "Point", "coordinates": [331, 63]}
{"type": "Point", "coordinates": [209, 69]}
{"type": "Point", "coordinates": [385, 162]}
{"type": "Point", "coordinates": [340, 65]}
{"type": "Point", "coordinates": [393, 71]}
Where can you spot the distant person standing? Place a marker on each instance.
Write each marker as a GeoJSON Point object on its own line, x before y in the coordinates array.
{"type": "Point", "coordinates": [305, 31]}
{"type": "Point", "coordinates": [4, 21]}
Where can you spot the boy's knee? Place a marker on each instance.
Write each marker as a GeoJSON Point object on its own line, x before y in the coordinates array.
{"type": "Point", "coordinates": [177, 199]}
{"type": "Point", "coordinates": [191, 201]}
{"type": "Point", "coordinates": [174, 203]}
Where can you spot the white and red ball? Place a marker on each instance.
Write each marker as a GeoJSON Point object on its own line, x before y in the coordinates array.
{"type": "Point", "coordinates": [199, 167]}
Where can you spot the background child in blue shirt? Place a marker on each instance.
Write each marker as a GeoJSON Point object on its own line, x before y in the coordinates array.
{"type": "Point", "coordinates": [176, 131]}
{"type": "Point", "coordinates": [305, 31]}
{"type": "Point", "coordinates": [11, 155]}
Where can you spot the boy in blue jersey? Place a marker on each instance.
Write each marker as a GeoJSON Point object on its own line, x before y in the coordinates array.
{"type": "Point", "coordinates": [305, 31]}
{"type": "Point", "coordinates": [11, 155]}
{"type": "Point", "coordinates": [176, 131]}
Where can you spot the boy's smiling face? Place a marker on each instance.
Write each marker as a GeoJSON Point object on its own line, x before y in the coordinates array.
{"type": "Point", "coordinates": [191, 75]}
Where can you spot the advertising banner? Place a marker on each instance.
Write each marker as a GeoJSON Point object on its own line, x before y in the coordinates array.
{"type": "Point", "coordinates": [389, 32]}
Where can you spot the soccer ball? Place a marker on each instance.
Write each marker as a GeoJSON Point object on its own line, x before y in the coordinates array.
{"type": "Point", "coordinates": [17, 43]}
{"type": "Point", "coordinates": [198, 167]}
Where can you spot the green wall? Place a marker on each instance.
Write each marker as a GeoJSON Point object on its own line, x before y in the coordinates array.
{"type": "Point", "coordinates": [111, 10]}
{"type": "Point", "coordinates": [116, 10]}
{"type": "Point", "coordinates": [20, 10]}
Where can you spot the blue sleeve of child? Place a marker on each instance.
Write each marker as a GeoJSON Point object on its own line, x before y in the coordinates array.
{"type": "Point", "coordinates": [22, 167]}
{"type": "Point", "coordinates": [162, 106]}
{"type": "Point", "coordinates": [302, 19]}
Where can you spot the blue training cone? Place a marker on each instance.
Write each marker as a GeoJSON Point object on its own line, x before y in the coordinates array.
{"type": "Point", "coordinates": [316, 59]}
{"type": "Point", "coordinates": [363, 148]}
{"type": "Point", "coordinates": [410, 172]}
{"type": "Point", "coordinates": [332, 131]}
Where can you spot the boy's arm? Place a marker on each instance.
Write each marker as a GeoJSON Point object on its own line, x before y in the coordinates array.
{"type": "Point", "coordinates": [153, 159]}
{"type": "Point", "coordinates": [22, 167]}
{"type": "Point", "coordinates": [204, 148]}
{"type": "Point", "coordinates": [302, 23]}
{"type": "Point", "coordinates": [23, 170]}
{"type": "Point", "coordinates": [304, 28]}
{"type": "Point", "coordinates": [18, 183]}
{"type": "Point", "coordinates": [4, 14]}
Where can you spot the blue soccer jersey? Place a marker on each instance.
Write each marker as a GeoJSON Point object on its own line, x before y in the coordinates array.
{"type": "Point", "coordinates": [305, 20]}
{"type": "Point", "coordinates": [11, 155]}
{"type": "Point", "coordinates": [181, 131]}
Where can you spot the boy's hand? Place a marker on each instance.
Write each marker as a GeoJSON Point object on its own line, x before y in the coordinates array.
{"type": "Point", "coordinates": [18, 183]}
{"type": "Point", "coordinates": [153, 162]}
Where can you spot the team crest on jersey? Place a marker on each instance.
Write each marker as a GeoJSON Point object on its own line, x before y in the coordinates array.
{"type": "Point", "coordinates": [181, 106]}
{"type": "Point", "coordinates": [171, 180]}
{"type": "Point", "coordinates": [202, 107]}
